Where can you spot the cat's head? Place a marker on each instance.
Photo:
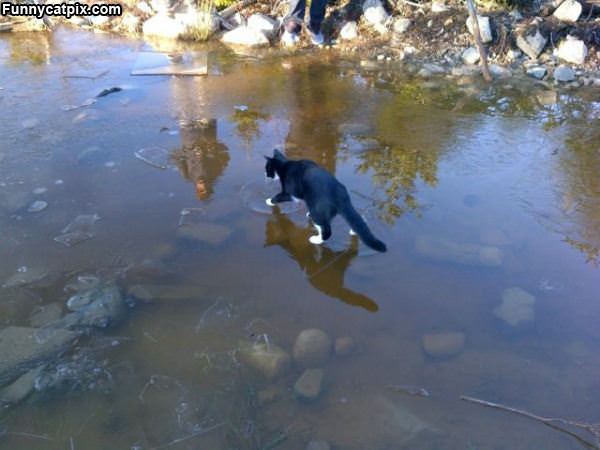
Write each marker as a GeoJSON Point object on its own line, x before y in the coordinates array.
{"type": "Point", "coordinates": [271, 164]}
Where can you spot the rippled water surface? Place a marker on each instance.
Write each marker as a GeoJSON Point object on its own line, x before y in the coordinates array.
{"type": "Point", "coordinates": [474, 189]}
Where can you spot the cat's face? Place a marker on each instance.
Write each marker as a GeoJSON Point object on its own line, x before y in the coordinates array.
{"type": "Point", "coordinates": [270, 167]}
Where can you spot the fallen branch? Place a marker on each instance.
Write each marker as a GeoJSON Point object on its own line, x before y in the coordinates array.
{"type": "Point", "coordinates": [231, 10]}
{"type": "Point", "coordinates": [477, 35]}
{"type": "Point", "coordinates": [553, 422]}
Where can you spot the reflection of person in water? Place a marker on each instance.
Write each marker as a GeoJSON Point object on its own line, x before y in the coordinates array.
{"type": "Point", "coordinates": [324, 268]}
{"type": "Point", "coordinates": [315, 111]}
{"type": "Point", "coordinates": [202, 159]}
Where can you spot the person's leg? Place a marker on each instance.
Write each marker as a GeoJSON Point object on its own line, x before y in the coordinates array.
{"type": "Point", "coordinates": [317, 14]}
{"type": "Point", "coordinates": [295, 17]}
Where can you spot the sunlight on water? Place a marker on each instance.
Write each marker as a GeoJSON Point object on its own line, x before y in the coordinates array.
{"type": "Point", "coordinates": [150, 298]}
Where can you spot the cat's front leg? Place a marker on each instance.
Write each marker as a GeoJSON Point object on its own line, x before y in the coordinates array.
{"type": "Point", "coordinates": [279, 198]}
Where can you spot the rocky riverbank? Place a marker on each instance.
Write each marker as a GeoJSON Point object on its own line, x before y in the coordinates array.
{"type": "Point", "coordinates": [549, 40]}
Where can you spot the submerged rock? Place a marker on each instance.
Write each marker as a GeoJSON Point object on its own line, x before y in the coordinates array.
{"type": "Point", "coordinates": [440, 345]}
{"type": "Point", "coordinates": [23, 348]}
{"type": "Point", "coordinates": [266, 358]}
{"type": "Point", "coordinates": [470, 56]}
{"type": "Point", "coordinates": [516, 307]}
{"type": "Point", "coordinates": [100, 307]}
{"type": "Point", "coordinates": [401, 25]}
{"type": "Point", "coordinates": [344, 346]}
{"type": "Point", "coordinates": [20, 389]}
{"type": "Point", "coordinates": [37, 206]}
{"type": "Point", "coordinates": [443, 250]}
{"type": "Point", "coordinates": [46, 315]}
{"type": "Point", "coordinates": [318, 445]}
{"type": "Point", "coordinates": [537, 72]}
{"type": "Point", "coordinates": [374, 13]}
{"type": "Point", "coordinates": [312, 348]}
{"type": "Point", "coordinates": [206, 232]}
{"type": "Point", "coordinates": [310, 384]}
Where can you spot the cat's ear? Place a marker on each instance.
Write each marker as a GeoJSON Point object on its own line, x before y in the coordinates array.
{"type": "Point", "coordinates": [278, 154]}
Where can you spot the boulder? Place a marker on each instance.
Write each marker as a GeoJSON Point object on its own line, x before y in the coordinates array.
{"type": "Point", "coordinates": [21, 388]}
{"type": "Point", "coordinates": [438, 6]}
{"type": "Point", "coordinates": [99, 307]}
{"type": "Point", "coordinates": [163, 26]}
{"type": "Point", "coordinates": [268, 359]}
{"type": "Point", "coordinates": [262, 23]}
{"type": "Point", "coordinates": [312, 348]}
{"type": "Point", "coordinates": [245, 36]}
{"type": "Point", "coordinates": [568, 11]}
{"type": "Point", "coordinates": [564, 74]}
{"type": "Point", "coordinates": [310, 384]}
{"type": "Point", "coordinates": [349, 31]}
{"type": "Point", "coordinates": [401, 24]}
{"type": "Point", "coordinates": [442, 345]}
{"type": "Point", "coordinates": [572, 50]}
{"type": "Point", "coordinates": [374, 12]}
{"type": "Point", "coordinates": [23, 348]}
{"type": "Point", "coordinates": [532, 44]}
{"type": "Point", "coordinates": [516, 307]}
{"type": "Point", "coordinates": [485, 29]}
{"type": "Point", "coordinates": [470, 56]}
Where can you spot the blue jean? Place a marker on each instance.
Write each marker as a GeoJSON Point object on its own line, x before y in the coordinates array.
{"type": "Point", "coordinates": [295, 17]}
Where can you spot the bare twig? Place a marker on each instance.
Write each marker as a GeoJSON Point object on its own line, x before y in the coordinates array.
{"type": "Point", "coordinates": [553, 422]}
{"type": "Point", "coordinates": [477, 35]}
{"type": "Point", "coordinates": [408, 2]}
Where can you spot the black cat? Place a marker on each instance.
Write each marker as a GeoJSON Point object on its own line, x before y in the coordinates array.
{"type": "Point", "coordinates": [325, 197]}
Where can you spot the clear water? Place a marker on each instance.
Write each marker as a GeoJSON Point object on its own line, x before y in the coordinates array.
{"type": "Point", "coordinates": [471, 165]}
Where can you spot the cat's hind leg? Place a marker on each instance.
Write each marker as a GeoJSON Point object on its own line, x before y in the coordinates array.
{"type": "Point", "coordinates": [324, 231]}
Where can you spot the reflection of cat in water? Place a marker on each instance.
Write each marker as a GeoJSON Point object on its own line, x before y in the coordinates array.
{"type": "Point", "coordinates": [324, 268]}
{"type": "Point", "coordinates": [324, 195]}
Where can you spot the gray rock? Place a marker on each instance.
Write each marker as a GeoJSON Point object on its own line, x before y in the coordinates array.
{"type": "Point", "coordinates": [485, 29]}
{"type": "Point", "coordinates": [262, 23]}
{"type": "Point", "coordinates": [401, 24]}
{"type": "Point", "coordinates": [310, 384]}
{"type": "Point", "coordinates": [438, 6]}
{"type": "Point", "coordinates": [564, 74]}
{"type": "Point", "coordinates": [443, 250]}
{"type": "Point", "coordinates": [374, 13]}
{"type": "Point", "coordinates": [470, 56]}
{"type": "Point", "coordinates": [537, 72]}
{"type": "Point", "coordinates": [516, 307]}
{"type": "Point", "coordinates": [46, 315]}
{"type": "Point", "coordinates": [533, 44]}
{"type": "Point", "coordinates": [499, 71]}
{"type": "Point", "coordinates": [312, 348]}
{"type": "Point", "coordinates": [246, 37]}
{"type": "Point", "coordinates": [349, 31]}
{"type": "Point", "coordinates": [513, 54]}
{"type": "Point", "coordinates": [572, 50]}
{"type": "Point", "coordinates": [318, 445]}
{"type": "Point", "coordinates": [269, 359]}
{"type": "Point", "coordinates": [568, 11]}
{"type": "Point", "coordinates": [23, 348]}
{"type": "Point", "coordinates": [344, 346]}
{"type": "Point", "coordinates": [441, 345]}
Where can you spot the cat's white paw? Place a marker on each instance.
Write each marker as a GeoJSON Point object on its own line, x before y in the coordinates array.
{"type": "Point", "coordinates": [307, 214]}
{"type": "Point", "coordinates": [317, 240]}
{"type": "Point", "coordinates": [269, 202]}
{"type": "Point", "coordinates": [352, 232]}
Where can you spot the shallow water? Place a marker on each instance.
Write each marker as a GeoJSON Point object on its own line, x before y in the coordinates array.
{"type": "Point", "coordinates": [431, 166]}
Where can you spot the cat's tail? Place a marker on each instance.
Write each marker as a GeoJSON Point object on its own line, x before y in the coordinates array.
{"type": "Point", "coordinates": [359, 226]}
